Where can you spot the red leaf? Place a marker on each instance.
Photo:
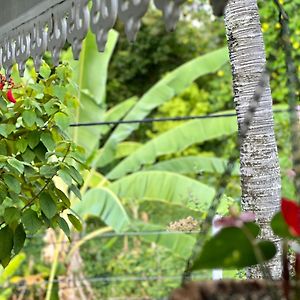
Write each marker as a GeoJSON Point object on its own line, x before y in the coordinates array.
{"type": "Point", "coordinates": [291, 213]}
{"type": "Point", "coordinates": [10, 96]}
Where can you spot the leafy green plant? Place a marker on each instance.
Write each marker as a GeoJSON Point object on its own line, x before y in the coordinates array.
{"type": "Point", "coordinates": [118, 192]}
{"type": "Point", "coordinates": [237, 245]}
{"type": "Point", "coordinates": [34, 151]}
{"type": "Point", "coordinates": [103, 196]}
{"type": "Point", "coordinates": [105, 162]}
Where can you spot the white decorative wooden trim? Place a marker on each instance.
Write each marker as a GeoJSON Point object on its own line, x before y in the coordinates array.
{"type": "Point", "coordinates": [47, 25]}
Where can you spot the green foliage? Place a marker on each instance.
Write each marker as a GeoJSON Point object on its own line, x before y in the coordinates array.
{"type": "Point", "coordinates": [124, 197]}
{"type": "Point", "coordinates": [275, 55]}
{"type": "Point", "coordinates": [135, 68]}
{"type": "Point", "coordinates": [34, 150]}
{"type": "Point", "coordinates": [235, 247]}
{"type": "Point", "coordinates": [173, 188]}
{"type": "Point", "coordinates": [118, 255]}
{"type": "Point", "coordinates": [103, 203]}
{"type": "Point", "coordinates": [7, 274]}
{"type": "Point", "coordinates": [164, 90]}
{"type": "Point", "coordinates": [89, 79]}
{"type": "Point", "coordinates": [280, 227]}
{"type": "Point", "coordinates": [174, 140]}
{"type": "Point", "coordinates": [194, 165]}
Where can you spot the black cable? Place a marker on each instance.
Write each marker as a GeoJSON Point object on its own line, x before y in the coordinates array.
{"type": "Point", "coordinates": [166, 119]}
{"type": "Point", "coordinates": [111, 279]}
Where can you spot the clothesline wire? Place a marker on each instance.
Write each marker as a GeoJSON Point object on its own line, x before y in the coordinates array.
{"type": "Point", "coordinates": [120, 234]}
{"type": "Point", "coordinates": [111, 279]}
{"type": "Point", "coordinates": [163, 119]}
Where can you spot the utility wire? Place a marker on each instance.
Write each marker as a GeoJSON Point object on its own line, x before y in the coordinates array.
{"type": "Point", "coordinates": [121, 234]}
{"type": "Point", "coordinates": [165, 119]}
{"type": "Point", "coordinates": [112, 279]}
{"type": "Point", "coordinates": [109, 279]}
{"type": "Point", "coordinates": [137, 233]}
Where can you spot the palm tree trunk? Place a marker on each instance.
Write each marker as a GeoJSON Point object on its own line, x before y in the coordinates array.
{"type": "Point", "coordinates": [260, 173]}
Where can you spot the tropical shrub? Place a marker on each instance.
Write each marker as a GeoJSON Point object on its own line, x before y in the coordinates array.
{"type": "Point", "coordinates": [34, 152]}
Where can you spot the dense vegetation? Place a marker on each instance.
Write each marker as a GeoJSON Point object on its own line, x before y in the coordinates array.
{"type": "Point", "coordinates": [123, 169]}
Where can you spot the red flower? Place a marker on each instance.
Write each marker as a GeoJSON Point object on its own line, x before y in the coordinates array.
{"type": "Point", "coordinates": [10, 96]}
{"type": "Point", "coordinates": [291, 213]}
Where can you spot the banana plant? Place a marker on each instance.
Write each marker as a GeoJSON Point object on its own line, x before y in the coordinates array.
{"type": "Point", "coordinates": [110, 194]}
{"type": "Point", "coordinates": [130, 175]}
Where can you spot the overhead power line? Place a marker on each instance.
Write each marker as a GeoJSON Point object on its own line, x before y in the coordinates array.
{"type": "Point", "coordinates": [115, 234]}
{"type": "Point", "coordinates": [165, 119]}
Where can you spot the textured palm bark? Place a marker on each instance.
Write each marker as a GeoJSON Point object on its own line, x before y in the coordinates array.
{"type": "Point", "coordinates": [260, 173]}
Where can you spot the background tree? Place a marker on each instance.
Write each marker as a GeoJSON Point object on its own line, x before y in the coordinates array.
{"type": "Point", "coordinates": [260, 174]}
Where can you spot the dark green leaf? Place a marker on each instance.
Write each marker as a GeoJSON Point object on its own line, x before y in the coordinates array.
{"type": "Point", "coordinates": [21, 145]}
{"type": "Point", "coordinates": [47, 222]}
{"type": "Point", "coordinates": [75, 174]}
{"type": "Point", "coordinates": [61, 195]}
{"type": "Point", "coordinates": [280, 227]}
{"type": "Point", "coordinates": [3, 192]}
{"type": "Point", "coordinates": [40, 151]}
{"type": "Point", "coordinates": [33, 139]}
{"type": "Point", "coordinates": [62, 120]}
{"type": "Point", "coordinates": [28, 155]}
{"type": "Point", "coordinates": [31, 221]}
{"type": "Point", "coordinates": [29, 117]}
{"type": "Point", "coordinates": [48, 171]}
{"type": "Point", "coordinates": [6, 243]}
{"type": "Point", "coordinates": [19, 238]}
{"type": "Point", "coordinates": [79, 157]}
{"type": "Point", "coordinates": [16, 164]}
{"type": "Point", "coordinates": [48, 141]}
{"type": "Point", "coordinates": [3, 105]}
{"type": "Point", "coordinates": [64, 226]}
{"type": "Point", "coordinates": [231, 248]}
{"type": "Point", "coordinates": [12, 216]}
{"type": "Point", "coordinates": [12, 183]}
{"type": "Point", "coordinates": [48, 206]}
{"type": "Point", "coordinates": [6, 129]}
{"type": "Point", "coordinates": [52, 107]}
{"type": "Point", "coordinates": [252, 229]}
{"type": "Point", "coordinates": [75, 222]}
{"type": "Point", "coordinates": [3, 147]}
{"type": "Point", "coordinates": [65, 176]}
{"type": "Point", "coordinates": [74, 189]}
{"type": "Point", "coordinates": [5, 261]}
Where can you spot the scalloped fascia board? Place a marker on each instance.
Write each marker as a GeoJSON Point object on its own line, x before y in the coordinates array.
{"type": "Point", "coordinates": [16, 12]}
{"type": "Point", "coordinates": [32, 27]}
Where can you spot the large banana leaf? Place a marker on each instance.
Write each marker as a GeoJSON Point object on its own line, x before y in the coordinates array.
{"type": "Point", "coordinates": [178, 243]}
{"type": "Point", "coordinates": [90, 75]}
{"type": "Point", "coordinates": [164, 186]}
{"type": "Point", "coordinates": [174, 140]}
{"type": "Point", "coordinates": [172, 84]}
{"type": "Point", "coordinates": [103, 203]}
{"type": "Point", "coordinates": [194, 165]}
